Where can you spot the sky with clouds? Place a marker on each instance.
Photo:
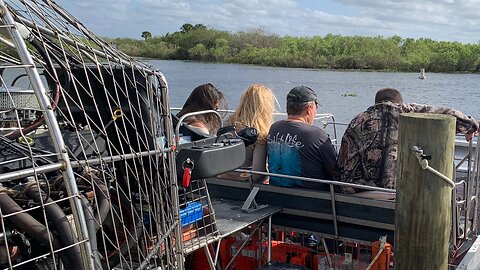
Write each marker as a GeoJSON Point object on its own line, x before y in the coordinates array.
{"type": "Point", "coordinates": [449, 20]}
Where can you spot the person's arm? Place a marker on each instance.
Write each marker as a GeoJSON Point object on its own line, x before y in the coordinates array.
{"type": "Point", "coordinates": [464, 125]}
{"type": "Point", "coordinates": [348, 161]}
{"type": "Point", "coordinates": [329, 157]}
{"type": "Point", "coordinates": [342, 159]}
{"type": "Point", "coordinates": [259, 161]}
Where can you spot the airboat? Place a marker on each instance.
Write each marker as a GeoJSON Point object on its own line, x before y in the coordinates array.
{"type": "Point", "coordinates": [93, 174]}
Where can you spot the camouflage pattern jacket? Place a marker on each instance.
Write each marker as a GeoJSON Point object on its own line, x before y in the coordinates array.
{"type": "Point", "coordinates": [368, 153]}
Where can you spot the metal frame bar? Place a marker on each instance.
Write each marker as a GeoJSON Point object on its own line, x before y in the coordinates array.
{"type": "Point", "coordinates": [75, 164]}
{"type": "Point", "coordinates": [157, 246]}
{"type": "Point", "coordinates": [389, 204]}
{"type": "Point", "coordinates": [334, 210]}
{"type": "Point", "coordinates": [72, 42]}
{"type": "Point", "coordinates": [217, 252]}
{"type": "Point", "coordinates": [55, 133]}
{"type": "Point", "coordinates": [180, 122]}
{"type": "Point", "coordinates": [320, 117]}
{"type": "Point", "coordinates": [269, 248]}
{"type": "Point", "coordinates": [259, 225]}
{"type": "Point", "coordinates": [330, 182]}
{"type": "Point", "coordinates": [476, 177]}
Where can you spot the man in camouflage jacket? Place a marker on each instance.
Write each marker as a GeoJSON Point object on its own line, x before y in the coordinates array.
{"type": "Point", "coordinates": [368, 153]}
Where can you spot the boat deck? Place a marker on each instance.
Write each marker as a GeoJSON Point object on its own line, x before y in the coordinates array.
{"type": "Point", "coordinates": [231, 218]}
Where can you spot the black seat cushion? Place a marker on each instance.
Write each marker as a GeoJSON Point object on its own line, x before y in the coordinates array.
{"type": "Point", "coordinates": [187, 131]}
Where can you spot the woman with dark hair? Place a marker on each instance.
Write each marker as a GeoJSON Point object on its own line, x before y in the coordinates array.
{"type": "Point", "coordinates": [203, 97]}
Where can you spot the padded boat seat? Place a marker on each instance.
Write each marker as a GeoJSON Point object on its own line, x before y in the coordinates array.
{"type": "Point", "coordinates": [357, 218]}
{"type": "Point", "coordinates": [186, 131]}
{"type": "Point", "coordinates": [378, 195]}
{"type": "Point", "coordinates": [208, 156]}
{"type": "Point", "coordinates": [211, 158]}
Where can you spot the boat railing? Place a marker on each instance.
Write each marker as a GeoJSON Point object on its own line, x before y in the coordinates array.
{"type": "Point", "coordinates": [324, 207]}
{"type": "Point", "coordinates": [464, 196]}
{"type": "Point", "coordinates": [332, 191]}
{"type": "Point", "coordinates": [325, 120]}
{"type": "Point", "coordinates": [377, 193]}
{"type": "Point", "coordinates": [466, 174]}
{"type": "Point", "coordinates": [183, 117]}
{"type": "Point", "coordinates": [465, 199]}
{"type": "Point", "coordinates": [331, 183]}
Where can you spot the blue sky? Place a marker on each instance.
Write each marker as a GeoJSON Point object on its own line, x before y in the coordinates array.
{"type": "Point", "coordinates": [450, 20]}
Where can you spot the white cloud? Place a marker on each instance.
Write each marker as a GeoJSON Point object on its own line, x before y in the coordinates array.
{"type": "Point", "coordinates": [164, 7]}
{"type": "Point", "coordinates": [437, 19]}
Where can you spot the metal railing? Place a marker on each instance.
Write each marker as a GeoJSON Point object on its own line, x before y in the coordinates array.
{"type": "Point", "coordinates": [185, 116]}
{"type": "Point", "coordinates": [326, 120]}
{"type": "Point", "coordinates": [464, 207]}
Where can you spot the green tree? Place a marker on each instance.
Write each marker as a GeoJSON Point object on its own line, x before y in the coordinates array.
{"type": "Point", "coordinates": [257, 46]}
{"type": "Point", "coordinates": [199, 52]}
{"type": "Point", "coordinates": [187, 27]}
{"type": "Point", "coordinates": [146, 35]}
{"type": "Point", "coordinates": [220, 50]}
{"type": "Point", "coordinates": [199, 26]}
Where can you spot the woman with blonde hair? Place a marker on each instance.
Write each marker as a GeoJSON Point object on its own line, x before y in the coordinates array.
{"type": "Point", "coordinates": [256, 108]}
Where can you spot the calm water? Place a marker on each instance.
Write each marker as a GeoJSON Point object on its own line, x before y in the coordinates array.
{"type": "Point", "coordinates": [459, 91]}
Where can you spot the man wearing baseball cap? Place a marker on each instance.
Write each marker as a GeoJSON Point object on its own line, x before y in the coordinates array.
{"type": "Point", "coordinates": [296, 147]}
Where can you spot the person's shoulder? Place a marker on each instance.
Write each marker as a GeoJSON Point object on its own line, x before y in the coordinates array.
{"type": "Point", "coordinates": [362, 117]}
{"type": "Point", "coordinates": [315, 131]}
{"type": "Point", "coordinates": [279, 122]}
{"type": "Point", "coordinates": [387, 105]}
{"type": "Point", "coordinates": [276, 126]}
{"type": "Point", "coordinates": [363, 114]}
{"type": "Point", "coordinates": [376, 110]}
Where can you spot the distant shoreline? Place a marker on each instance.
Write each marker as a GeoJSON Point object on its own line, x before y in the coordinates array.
{"type": "Point", "coordinates": [327, 69]}
{"type": "Point", "coordinates": [330, 52]}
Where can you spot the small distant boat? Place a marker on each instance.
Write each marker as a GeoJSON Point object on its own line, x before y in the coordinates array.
{"type": "Point", "coordinates": [422, 74]}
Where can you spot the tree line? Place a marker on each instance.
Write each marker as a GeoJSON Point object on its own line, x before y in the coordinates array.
{"type": "Point", "coordinates": [257, 46]}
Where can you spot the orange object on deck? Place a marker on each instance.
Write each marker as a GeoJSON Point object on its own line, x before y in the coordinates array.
{"type": "Point", "coordinates": [198, 259]}
{"type": "Point", "coordinates": [225, 252]}
{"type": "Point", "coordinates": [250, 255]}
{"type": "Point", "coordinates": [290, 253]}
{"type": "Point", "coordinates": [303, 259]}
{"type": "Point", "coordinates": [383, 261]}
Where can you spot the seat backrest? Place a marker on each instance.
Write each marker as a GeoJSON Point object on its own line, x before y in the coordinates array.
{"type": "Point", "coordinates": [356, 218]}
{"type": "Point", "coordinates": [185, 130]}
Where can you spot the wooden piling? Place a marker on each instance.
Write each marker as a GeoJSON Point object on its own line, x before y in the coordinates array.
{"type": "Point", "coordinates": [423, 208]}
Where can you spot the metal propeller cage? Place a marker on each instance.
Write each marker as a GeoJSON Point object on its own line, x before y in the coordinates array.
{"type": "Point", "coordinates": [87, 165]}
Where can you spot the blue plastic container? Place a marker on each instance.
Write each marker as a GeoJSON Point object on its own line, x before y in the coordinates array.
{"type": "Point", "coordinates": [191, 214]}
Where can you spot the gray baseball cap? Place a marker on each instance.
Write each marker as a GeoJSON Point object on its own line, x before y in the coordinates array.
{"type": "Point", "coordinates": [302, 93]}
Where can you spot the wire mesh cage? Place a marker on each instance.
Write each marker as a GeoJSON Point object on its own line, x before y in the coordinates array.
{"type": "Point", "coordinates": [197, 217]}
{"type": "Point", "coordinates": [87, 167]}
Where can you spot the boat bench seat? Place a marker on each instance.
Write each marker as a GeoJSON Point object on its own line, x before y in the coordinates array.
{"type": "Point", "coordinates": [208, 156]}
{"type": "Point", "coordinates": [358, 218]}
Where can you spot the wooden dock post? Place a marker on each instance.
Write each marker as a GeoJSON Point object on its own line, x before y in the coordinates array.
{"type": "Point", "coordinates": [423, 207]}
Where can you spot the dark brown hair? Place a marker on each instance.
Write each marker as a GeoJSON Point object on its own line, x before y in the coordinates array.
{"type": "Point", "coordinates": [388, 94]}
{"type": "Point", "coordinates": [204, 97]}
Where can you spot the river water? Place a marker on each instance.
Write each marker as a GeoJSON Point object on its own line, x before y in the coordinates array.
{"type": "Point", "coordinates": [459, 91]}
